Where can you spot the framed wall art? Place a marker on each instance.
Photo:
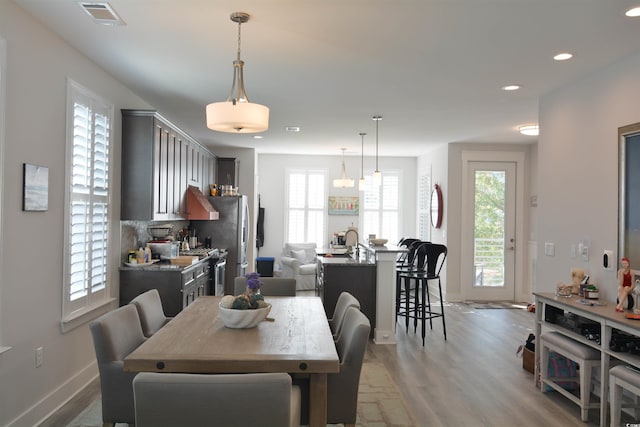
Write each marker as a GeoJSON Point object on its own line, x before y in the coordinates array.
{"type": "Point", "coordinates": [344, 205]}
{"type": "Point", "coordinates": [35, 188]}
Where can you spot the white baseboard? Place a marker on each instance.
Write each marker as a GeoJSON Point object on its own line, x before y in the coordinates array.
{"type": "Point", "coordinates": [55, 400]}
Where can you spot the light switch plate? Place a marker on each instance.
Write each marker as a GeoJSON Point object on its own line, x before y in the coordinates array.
{"type": "Point", "coordinates": [549, 249]}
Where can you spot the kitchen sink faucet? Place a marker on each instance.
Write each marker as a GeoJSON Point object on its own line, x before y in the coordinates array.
{"type": "Point", "coordinates": [357, 241]}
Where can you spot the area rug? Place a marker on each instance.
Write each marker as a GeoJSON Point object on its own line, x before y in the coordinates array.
{"type": "Point", "coordinates": [380, 403]}
{"type": "Point", "coordinates": [495, 304]}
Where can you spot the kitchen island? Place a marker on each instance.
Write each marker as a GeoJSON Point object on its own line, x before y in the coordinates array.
{"type": "Point", "coordinates": [342, 273]}
{"type": "Point", "coordinates": [380, 262]}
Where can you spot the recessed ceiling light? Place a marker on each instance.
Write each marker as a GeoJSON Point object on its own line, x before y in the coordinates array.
{"type": "Point", "coordinates": [633, 12]}
{"type": "Point", "coordinates": [563, 56]}
{"type": "Point", "coordinates": [530, 130]}
{"type": "Point", "coordinates": [257, 136]}
{"type": "Point", "coordinates": [292, 128]}
{"type": "Point", "coordinates": [511, 87]}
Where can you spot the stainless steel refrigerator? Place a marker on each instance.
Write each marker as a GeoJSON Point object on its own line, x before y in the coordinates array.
{"type": "Point", "coordinates": [230, 232]}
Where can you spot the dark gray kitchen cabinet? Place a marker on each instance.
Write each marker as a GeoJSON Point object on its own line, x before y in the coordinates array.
{"type": "Point", "coordinates": [358, 278]}
{"type": "Point", "coordinates": [177, 287]}
{"type": "Point", "coordinates": [159, 162]}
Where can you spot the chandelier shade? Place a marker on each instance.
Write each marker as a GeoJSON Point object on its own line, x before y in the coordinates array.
{"type": "Point", "coordinates": [237, 114]}
{"type": "Point", "coordinates": [241, 117]}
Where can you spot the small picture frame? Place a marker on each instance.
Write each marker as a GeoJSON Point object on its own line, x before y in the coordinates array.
{"type": "Point", "coordinates": [35, 188]}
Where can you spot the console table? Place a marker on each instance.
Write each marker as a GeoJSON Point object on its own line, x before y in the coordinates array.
{"type": "Point", "coordinates": [608, 319]}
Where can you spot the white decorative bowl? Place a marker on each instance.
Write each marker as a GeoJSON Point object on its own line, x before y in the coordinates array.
{"type": "Point", "coordinates": [242, 319]}
{"type": "Point", "coordinates": [379, 242]}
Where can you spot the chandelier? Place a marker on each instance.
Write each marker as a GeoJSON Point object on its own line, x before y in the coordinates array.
{"type": "Point", "coordinates": [343, 181]}
{"type": "Point", "coordinates": [237, 114]}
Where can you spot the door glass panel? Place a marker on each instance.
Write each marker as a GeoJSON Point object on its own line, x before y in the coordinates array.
{"type": "Point", "coordinates": [489, 228]}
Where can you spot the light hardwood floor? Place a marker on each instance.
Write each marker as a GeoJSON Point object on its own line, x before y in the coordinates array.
{"type": "Point", "coordinates": [472, 379]}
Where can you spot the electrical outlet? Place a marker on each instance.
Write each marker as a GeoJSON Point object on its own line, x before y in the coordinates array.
{"type": "Point", "coordinates": [572, 251]}
{"type": "Point", "coordinates": [585, 253]}
{"type": "Point", "coordinates": [39, 356]}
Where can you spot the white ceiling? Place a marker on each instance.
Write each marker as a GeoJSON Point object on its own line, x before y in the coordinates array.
{"type": "Point", "coordinates": [433, 68]}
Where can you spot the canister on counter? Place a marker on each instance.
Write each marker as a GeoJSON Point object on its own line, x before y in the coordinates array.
{"type": "Point", "coordinates": [131, 258]}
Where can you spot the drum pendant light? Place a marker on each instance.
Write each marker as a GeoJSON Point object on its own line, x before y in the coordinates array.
{"type": "Point", "coordinates": [343, 181]}
{"type": "Point", "coordinates": [237, 114]}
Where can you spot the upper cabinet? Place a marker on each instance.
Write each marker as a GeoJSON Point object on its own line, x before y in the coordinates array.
{"type": "Point", "coordinates": [159, 163]}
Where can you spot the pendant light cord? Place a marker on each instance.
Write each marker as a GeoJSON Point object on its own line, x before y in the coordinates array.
{"type": "Point", "coordinates": [362, 134]}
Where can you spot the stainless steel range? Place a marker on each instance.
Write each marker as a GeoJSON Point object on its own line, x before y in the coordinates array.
{"type": "Point", "coordinates": [218, 264]}
{"type": "Point", "coordinates": [200, 252]}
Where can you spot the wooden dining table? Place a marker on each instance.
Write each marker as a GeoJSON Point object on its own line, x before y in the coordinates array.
{"type": "Point", "coordinates": [295, 338]}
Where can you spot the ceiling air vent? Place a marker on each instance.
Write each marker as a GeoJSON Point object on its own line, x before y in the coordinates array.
{"type": "Point", "coordinates": [102, 13]}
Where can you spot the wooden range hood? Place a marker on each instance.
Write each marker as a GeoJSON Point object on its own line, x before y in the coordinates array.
{"type": "Point", "coordinates": [198, 207]}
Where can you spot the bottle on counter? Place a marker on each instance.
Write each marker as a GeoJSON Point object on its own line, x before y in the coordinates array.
{"type": "Point", "coordinates": [147, 254]}
{"type": "Point", "coordinates": [140, 255]}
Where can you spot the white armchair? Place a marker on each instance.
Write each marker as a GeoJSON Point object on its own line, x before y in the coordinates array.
{"type": "Point", "coordinates": [299, 261]}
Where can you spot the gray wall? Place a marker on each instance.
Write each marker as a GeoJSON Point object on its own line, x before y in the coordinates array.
{"type": "Point", "coordinates": [578, 164]}
{"type": "Point", "coordinates": [31, 280]}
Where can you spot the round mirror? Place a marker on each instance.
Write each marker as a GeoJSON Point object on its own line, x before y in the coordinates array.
{"type": "Point", "coordinates": [436, 206]}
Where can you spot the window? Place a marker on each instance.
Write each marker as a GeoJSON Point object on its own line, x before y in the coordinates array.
{"type": "Point", "coordinates": [306, 206]}
{"type": "Point", "coordinates": [381, 207]}
{"type": "Point", "coordinates": [87, 225]}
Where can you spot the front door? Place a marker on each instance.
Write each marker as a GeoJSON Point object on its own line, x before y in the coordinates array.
{"type": "Point", "coordinates": [489, 231]}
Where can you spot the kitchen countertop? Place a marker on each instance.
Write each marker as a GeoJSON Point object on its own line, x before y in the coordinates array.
{"type": "Point", "coordinates": [166, 265]}
{"type": "Point", "coordinates": [345, 261]}
{"type": "Point", "coordinates": [383, 249]}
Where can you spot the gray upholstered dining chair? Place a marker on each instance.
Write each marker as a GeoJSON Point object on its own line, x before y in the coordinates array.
{"type": "Point", "coordinates": [273, 286]}
{"type": "Point", "coordinates": [345, 300]}
{"type": "Point", "coordinates": [115, 335]}
{"type": "Point", "coordinates": [342, 387]}
{"type": "Point", "coordinates": [149, 306]}
{"type": "Point", "coordinates": [196, 400]}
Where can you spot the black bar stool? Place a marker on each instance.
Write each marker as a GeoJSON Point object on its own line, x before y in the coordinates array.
{"type": "Point", "coordinates": [420, 308]}
{"type": "Point", "coordinates": [406, 263]}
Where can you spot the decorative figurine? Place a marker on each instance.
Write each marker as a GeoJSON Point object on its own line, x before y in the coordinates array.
{"type": "Point", "coordinates": [625, 288]}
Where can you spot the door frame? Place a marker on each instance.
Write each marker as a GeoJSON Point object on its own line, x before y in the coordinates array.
{"type": "Point", "coordinates": [520, 239]}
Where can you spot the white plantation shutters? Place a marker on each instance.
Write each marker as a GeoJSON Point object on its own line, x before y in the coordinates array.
{"type": "Point", "coordinates": [87, 220]}
{"type": "Point", "coordinates": [306, 206]}
{"type": "Point", "coordinates": [380, 207]}
{"type": "Point", "coordinates": [424, 207]}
